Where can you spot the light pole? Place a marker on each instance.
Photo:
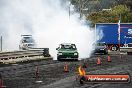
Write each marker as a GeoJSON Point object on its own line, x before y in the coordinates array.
{"type": "Point", "coordinates": [69, 9]}
{"type": "Point", "coordinates": [119, 30]}
{"type": "Point", "coordinates": [1, 43]}
{"type": "Point", "coordinates": [80, 8]}
{"type": "Point", "coordinates": [119, 34]}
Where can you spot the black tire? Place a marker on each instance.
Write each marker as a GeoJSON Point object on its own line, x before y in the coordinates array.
{"type": "Point", "coordinates": [105, 53]}
{"type": "Point", "coordinates": [76, 59]}
{"type": "Point", "coordinates": [46, 55]}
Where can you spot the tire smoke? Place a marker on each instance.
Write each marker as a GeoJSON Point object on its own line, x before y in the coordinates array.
{"type": "Point", "coordinates": [49, 23]}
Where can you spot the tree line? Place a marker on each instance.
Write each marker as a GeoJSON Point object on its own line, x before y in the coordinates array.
{"type": "Point", "coordinates": [117, 9]}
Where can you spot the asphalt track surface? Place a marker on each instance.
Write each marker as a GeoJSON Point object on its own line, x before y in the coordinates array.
{"type": "Point", "coordinates": [52, 74]}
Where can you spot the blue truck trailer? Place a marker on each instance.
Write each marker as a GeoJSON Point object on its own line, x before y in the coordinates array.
{"type": "Point", "coordinates": [108, 33]}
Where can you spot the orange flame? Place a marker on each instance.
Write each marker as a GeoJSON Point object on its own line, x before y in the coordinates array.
{"type": "Point", "coordinates": [81, 71]}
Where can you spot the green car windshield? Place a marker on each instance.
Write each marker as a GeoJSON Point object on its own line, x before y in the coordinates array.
{"type": "Point", "coordinates": [72, 46]}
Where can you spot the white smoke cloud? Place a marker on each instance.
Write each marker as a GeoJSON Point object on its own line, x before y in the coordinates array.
{"type": "Point", "coordinates": [48, 21]}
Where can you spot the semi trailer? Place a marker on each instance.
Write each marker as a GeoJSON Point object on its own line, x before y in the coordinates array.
{"type": "Point", "coordinates": [109, 33]}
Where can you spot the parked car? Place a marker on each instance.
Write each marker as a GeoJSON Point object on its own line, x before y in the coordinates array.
{"type": "Point", "coordinates": [100, 47]}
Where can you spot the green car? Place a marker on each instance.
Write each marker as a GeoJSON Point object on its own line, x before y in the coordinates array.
{"type": "Point", "coordinates": [67, 51]}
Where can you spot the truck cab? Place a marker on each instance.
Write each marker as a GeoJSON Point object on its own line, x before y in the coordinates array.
{"type": "Point", "coordinates": [67, 51]}
{"type": "Point", "coordinates": [26, 42]}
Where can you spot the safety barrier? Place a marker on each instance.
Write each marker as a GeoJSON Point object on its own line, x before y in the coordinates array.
{"type": "Point", "coordinates": [25, 55]}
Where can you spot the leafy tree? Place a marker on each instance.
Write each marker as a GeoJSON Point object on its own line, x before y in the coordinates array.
{"type": "Point", "coordinates": [112, 16]}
